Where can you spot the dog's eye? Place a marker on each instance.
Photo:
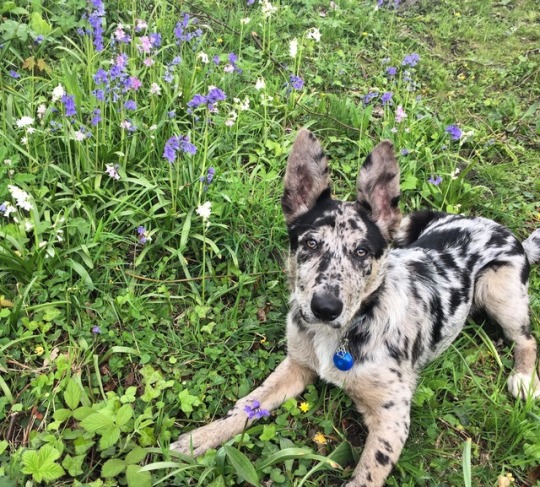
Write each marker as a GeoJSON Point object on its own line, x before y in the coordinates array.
{"type": "Point", "coordinates": [311, 243]}
{"type": "Point", "coordinates": [360, 252]}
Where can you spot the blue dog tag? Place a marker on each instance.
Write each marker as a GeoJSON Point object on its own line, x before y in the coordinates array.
{"type": "Point", "coordinates": [343, 360]}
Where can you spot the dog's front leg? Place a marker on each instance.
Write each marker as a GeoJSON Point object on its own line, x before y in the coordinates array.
{"type": "Point", "coordinates": [388, 429]}
{"type": "Point", "coordinates": [288, 380]}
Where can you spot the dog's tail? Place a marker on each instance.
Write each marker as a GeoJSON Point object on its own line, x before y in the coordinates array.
{"type": "Point", "coordinates": [532, 247]}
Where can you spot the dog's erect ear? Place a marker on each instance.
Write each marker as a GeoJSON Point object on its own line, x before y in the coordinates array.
{"type": "Point", "coordinates": [378, 188]}
{"type": "Point", "coordinates": [307, 176]}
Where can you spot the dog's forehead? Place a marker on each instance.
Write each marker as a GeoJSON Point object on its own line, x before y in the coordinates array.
{"type": "Point", "coordinates": [343, 218]}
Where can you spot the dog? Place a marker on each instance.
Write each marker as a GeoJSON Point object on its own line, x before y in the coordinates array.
{"type": "Point", "coordinates": [375, 297]}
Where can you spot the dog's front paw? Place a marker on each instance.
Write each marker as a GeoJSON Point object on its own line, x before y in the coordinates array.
{"type": "Point", "coordinates": [193, 443]}
{"type": "Point", "coordinates": [524, 385]}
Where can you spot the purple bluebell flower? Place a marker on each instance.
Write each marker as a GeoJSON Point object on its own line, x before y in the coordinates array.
{"type": "Point", "coordinates": [130, 105]}
{"type": "Point", "coordinates": [454, 132]}
{"type": "Point", "coordinates": [386, 98]}
{"type": "Point", "coordinates": [197, 101]}
{"type": "Point", "coordinates": [101, 77]}
{"type": "Point", "coordinates": [156, 39]}
{"type": "Point", "coordinates": [14, 74]}
{"type": "Point", "coordinates": [405, 152]}
{"type": "Point", "coordinates": [207, 180]}
{"type": "Point", "coordinates": [367, 98]}
{"type": "Point", "coordinates": [39, 39]}
{"type": "Point", "coordinates": [168, 76]}
{"type": "Point", "coordinates": [216, 60]}
{"type": "Point", "coordinates": [96, 117]}
{"type": "Point", "coordinates": [183, 30]}
{"type": "Point", "coordinates": [142, 234]}
{"type": "Point", "coordinates": [69, 105]}
{"type": "Point", "coordinates": [99, 94]}
{"type": "Point", "coordinates": [176, 60]}
{"type": "Point", "coordinates": [250, 2]}
{"type": "Point", "coordinates": [96, 330]}
{"type": "Point", "coordinates": [176, 144]}
{"type": "Point", "coordinates": [411, 60]}
{"type": "Point", "coordinates": [391, 71]}
{"type": "Point", "coordinates": [296, 82]}
{"type": "Point", "coordinates": [171, 114]}
{"type": "Point", "coordinates": [255, 411]}
{"type": "Point", "coordinates": [95, 19]}
{"type": "Point", "coordinates": [435, 180]}
{"type": "Point", "coordinates": [215, 95]}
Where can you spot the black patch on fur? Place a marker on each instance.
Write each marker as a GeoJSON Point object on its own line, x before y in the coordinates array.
{"type": "Point", "coordinates": [442, 240]}
{"type": "Point", "coordinates": [394, 352]}
{"type": "Point", "coordinates": [418, 222]}
{"type": "Point", "coordinates": [387, 445]}
{"type": "Point", "coordinates": [374, 238]}
{"type": "Point", "coordinates": [416, 348]}
{"type": "Point", "coordinates": [525, 270]}
{"type": "Point", "coordinates": [395, 201]}
{"type": "Point", "coordinates": [389, 404]}
{"type": "Point", "coordinates": [382, 458]}
{"type": "Point", "coordinates": [368, 162]}
{"type": "Point", "coordinates": [305, 221]}
{"type": "Point", "coordinates": [437, 312]}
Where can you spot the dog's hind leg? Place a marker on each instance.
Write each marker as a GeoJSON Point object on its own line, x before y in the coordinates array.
{"type": "Point", "coordinates": [502, 292]}
{"type": "Point", "coordinates": [288, 380]}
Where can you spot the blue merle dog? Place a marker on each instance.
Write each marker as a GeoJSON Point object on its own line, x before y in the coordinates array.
{"type": "Point", "coordinates": [368, 317]}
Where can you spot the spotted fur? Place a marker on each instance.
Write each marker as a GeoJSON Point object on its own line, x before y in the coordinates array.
{"type": "Point", "coordinates": [397, 307]}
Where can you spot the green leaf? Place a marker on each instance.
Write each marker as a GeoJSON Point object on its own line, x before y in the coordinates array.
{"type": "Point", "coordinates": [82, 445]}
{"type": "Point", "coordinates": [38, 25]}
{"type": "Point", "coordinates": [242, 465]}
{"type": "Point", "coordinates": [72, 394]}
{"type": "Point", "coordinates": [124, 414]}
{"type": "Point", "coordinates": [113, 467]}
{"type": "Point", "coordinates": [109, 438]}
{"type": "Point", "coordinates": [136, 478]}
{"type": "Point", "coordinates": [83, 412]}
{"type": "Point", "coordinates": [62, 414]}
{"type": "Point", "coordinates": [41, 464]}
{"type": "Point", "coordinates": [269, 432]}
{"type": "Point", "coordinates": [187, 401]}
{"type": "Point", "coordinates": [73, 465]}
{"type": "Point", "coordinates": [98, 422]}
{"type": "Point", "coordinates": [3, 446]}
{"type": "Point", "coordinates": [136, 455]}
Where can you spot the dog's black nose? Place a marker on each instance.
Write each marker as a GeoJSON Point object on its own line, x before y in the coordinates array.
{"type": "Point", "coordinates": [326, 307]}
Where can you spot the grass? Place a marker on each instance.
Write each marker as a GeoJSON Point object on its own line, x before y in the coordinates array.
{"type": "Point", "coordinates": [127, 317]}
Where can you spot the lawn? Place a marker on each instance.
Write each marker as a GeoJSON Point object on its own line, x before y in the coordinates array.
{"type": "Point", "coordinates": [142, 245]}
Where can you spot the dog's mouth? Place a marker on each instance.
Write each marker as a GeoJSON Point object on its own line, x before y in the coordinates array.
{"type": "Point", "coordinates": [335, 324]}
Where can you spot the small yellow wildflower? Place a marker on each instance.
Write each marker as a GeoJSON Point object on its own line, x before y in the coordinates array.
{"type": "Point", "coordinates": [457, 14]}
{"type": "Point", "coordinates": [365, 34]}
{"type": "Point", "coordinates": [304, 407]}
{"type": "Point", "coordinates": [220, 41]}
{"type": "Point", "coordinates": [39, 350]}
{"type": "Point", "coordinates": [320, 439]}
{"type": "Point", "coordinates": [461, 76]}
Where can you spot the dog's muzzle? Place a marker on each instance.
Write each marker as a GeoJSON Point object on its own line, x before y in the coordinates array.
{"type": "Point", "coordinates": [326, 306]}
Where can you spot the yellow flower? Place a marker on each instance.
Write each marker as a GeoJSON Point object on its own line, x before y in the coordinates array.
{"type": "Point", "coordinates": [304, 407]}
{"type": "Point", "coordinates": [365, 34]}
{"type": "Point", "coordinates": [461, 76]}
{"type": "Point", "coordinates": [39, 350]}
{"type": "Point", "coordinates": [320, 438]}
{"type": "Point", "coordinates": [457, 14]}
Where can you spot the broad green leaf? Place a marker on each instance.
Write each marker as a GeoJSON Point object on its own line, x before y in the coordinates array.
{"type": "Point", "coordinates": [73, 465]}
{"type": "Point", "coordinates": [242, 465]}
{"type": "Point", "coordinates": [38, 24]}
{"type": "Point", "coordinates": [136, 478]}
{"type": "Point", "coordinates": [62, 414]}
{"type": "Point", "coordinates": [124, 414]}
{"type": "Point", "coordinates": [187, 401]}
{"type": "Point", "coordinates": [136, 455]}
{"type": "Point", "coordinates": [82, 445]}
{"type": "Point", "coordinates": [83, 412]}
{"type": "Point", "coordinates": [109, 438]}
{"type": "Point", "coordinates": [269, 431]}
{"type": "Point", "coordinates": [97, 422]}
{"type": "Point", "coordinates": [113, 467]}
{"type": "Point", "coordinates": [72, 394]}
{"type": "Point", "coordinates": [3, 446]}
{"type": "Point", "coordinates": [41, 464]}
